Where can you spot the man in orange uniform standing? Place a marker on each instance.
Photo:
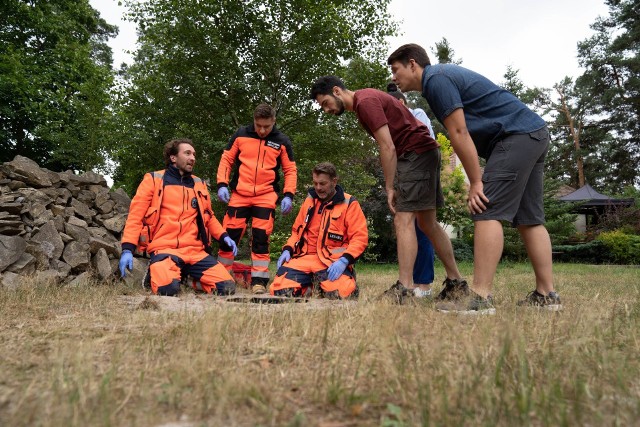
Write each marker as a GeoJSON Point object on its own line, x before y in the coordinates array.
{"type": "Point", "coordinates": [173, 208]}
{"type": "Point", "coordinates": [258, 150]}
{"type": "Point", "coordinates": [329, 235]}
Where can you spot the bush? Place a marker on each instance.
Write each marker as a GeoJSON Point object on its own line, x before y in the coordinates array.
{"type": "Point", "coordinates": [462, 250]}
{"type": "Point", "coordinates": [622, 248]}
{"type": "Point", "coordinates": [593, 252]}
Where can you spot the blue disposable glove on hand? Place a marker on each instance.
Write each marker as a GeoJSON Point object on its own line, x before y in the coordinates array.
{"type": "Point", "coordinates": [126, 262]}
{"type": "Point", "coordinates": [223, 194]}
{"type": "Point", "coordinates": [234, 248]}
{"type": "Point", "coordinates": [337, 268]}
{"type": "Point", "coordinates": [286, 256]}
{"type": "Point", "coordinates": [286, 205]}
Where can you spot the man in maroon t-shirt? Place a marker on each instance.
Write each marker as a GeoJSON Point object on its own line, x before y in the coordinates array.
{"type": "Point", "coordinates": [411, 164]}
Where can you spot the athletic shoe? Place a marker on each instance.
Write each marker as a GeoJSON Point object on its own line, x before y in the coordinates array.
{"type": "Point", "coordinates": [535, 299]}
{"type": "Point", "coordinates": [258, 289]}
{"type": "Point", "coordinates": [397, 293]}
{"type": "Point", "coordinates": [421, 293]}
{"type": "Point", "coordinates": [453, 289]}
{"type": "Point", "coordinates": [471, 304]}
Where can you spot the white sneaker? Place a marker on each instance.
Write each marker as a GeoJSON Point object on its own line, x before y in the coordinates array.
{"type": "Point", "coordinates": [421, 293]}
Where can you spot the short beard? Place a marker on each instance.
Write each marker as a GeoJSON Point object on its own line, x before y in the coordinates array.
{"type": "Point", "coordinates": [340, 104]}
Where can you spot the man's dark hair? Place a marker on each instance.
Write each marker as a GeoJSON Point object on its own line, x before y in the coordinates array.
{"type": "Point", "coordinates": [324, 86]}
{"type": "Point", "coordinates": [264, 111]}
{"type": "Point", "coordinates": [327, 168]}
{"type": "Point", "coordinates": [392, 89]}
{"type": "Point", "coordinates": [410, 51]}
{"type": "Point", "coordinates": [172, 147]}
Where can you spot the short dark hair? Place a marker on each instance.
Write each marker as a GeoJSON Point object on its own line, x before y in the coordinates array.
{"type": "Point", "coordinates": [172, 147]}
{"type": "Point", "coordinates": [392, 89]}
{"type": "Point", "coordinates": [324, 86]}
{"type": "Point", "coordinates": [326, 168]}
{"type": "Point", "coordinates": [264, 111]}
{"type": "Point", "coordinates": [410, 51]}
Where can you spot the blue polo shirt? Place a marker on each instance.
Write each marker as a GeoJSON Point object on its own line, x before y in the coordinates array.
{"type": "Point", "coordinates": [491, 113]}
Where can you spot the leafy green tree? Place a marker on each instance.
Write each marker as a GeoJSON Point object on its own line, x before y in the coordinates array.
{"type": "Point", "coordinates": [611, 58]}
{"type": "Point", "coordinates": [55, 76]}
{"type": "Point", "coordinates": [445, 53]}
{"type": "Point", "coordinates": [454, 189]}
{"type": "Point", "coordinates": [202, 67]}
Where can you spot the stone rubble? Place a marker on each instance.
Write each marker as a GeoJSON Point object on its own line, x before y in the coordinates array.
{"type": "Point", "coordinates": [60, 227]}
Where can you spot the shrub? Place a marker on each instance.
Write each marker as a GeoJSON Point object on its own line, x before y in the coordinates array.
{"type": "Point", "coordinates": [622, 248]}
{"type": "Point", "coordinates": [462, 250]}
{"type": "Point", "coordinates": [593, 252]}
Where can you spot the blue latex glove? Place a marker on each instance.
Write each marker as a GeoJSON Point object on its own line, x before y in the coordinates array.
{"type": "Point", "coordinates": [286, 205]}
{"type": "Point", "coordinates": [286, 256]}
{"type": "Point", "coordinates": [229, 241]}
{"type": "Point", "coordinates": [223, 194]}
{"type": "Point", "coordinates": [337, 268]}
{"type": "Point", "coordinates": [126, 262]}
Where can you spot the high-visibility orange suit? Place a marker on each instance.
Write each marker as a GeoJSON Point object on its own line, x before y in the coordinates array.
{"type": "Point", "coordinates": [322, 233]}
{"type": "Point", "coordinates": [173, 212]}
{"type": "Point", "coordinates": [256, 188]}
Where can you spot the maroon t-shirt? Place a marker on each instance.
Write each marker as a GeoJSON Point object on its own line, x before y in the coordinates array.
{"type": "Point", "coordinates": [375, 109]}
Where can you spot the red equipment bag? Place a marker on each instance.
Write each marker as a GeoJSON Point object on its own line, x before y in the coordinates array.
{"type": "Point", "coordinates": [241, 274]}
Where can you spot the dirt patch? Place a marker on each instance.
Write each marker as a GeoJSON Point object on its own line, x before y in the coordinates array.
{"type": "Point", "coordinates": [202, 302]}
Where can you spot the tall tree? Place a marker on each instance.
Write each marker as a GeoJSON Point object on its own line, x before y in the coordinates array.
{"type": "Point", "coordinates": [202, 67]}
{"type": "Point", "coordinates": [445, 53]}
{"type": "Point", "coordinates": [611, 58]}
{"type": "Point", "coordinates": [55, 76]}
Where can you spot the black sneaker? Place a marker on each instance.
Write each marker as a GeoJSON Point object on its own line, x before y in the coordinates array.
{"type": "Point", "coordinates": [453, 289]}
{"type": "Point", "coordinates": [472, 304]}
{"type": "Point", "coordinates": [535, 299]}
{"type": "Point", "coordinates": [397, 293]}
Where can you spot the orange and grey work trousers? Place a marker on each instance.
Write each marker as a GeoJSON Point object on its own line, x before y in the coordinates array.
{"type": "Point", "coordinates": [168, 266]}
{"type": "Point", "coordinates": [261, 210]}
{"type": "Point", "coordinates": [297, 277]}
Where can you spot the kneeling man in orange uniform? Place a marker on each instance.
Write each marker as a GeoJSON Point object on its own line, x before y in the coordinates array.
{"type": "Point", "coordinates": [172, 209]}
{"type": "Point", "coordinates": [328, 236]}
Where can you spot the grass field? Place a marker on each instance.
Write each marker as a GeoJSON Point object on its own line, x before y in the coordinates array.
{"type": "Point", "coordinates": [84, 357]}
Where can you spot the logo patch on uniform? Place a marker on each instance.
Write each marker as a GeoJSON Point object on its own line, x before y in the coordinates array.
{"type": "Point", "coordinates": [274, 145]}
{"type": "Point", "coordinates": [194, 203]}
{"type": "Point", "coordinates": [334, 236]}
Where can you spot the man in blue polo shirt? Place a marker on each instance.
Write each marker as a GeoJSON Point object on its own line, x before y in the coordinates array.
{"type": "Point", "coordinates": [485, 120]}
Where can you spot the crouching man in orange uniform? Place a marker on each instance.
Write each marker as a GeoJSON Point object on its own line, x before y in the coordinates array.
{"type": "Point", "coordinates": [328, 236]}
{"type": "Point", "coordinates": [173, 208]}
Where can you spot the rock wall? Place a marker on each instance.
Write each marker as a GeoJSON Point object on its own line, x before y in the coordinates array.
{"type": "Point", "coordinates": [59, 227]}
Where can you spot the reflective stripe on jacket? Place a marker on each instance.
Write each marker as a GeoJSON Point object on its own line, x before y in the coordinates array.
{"type": "Point", "coordinates": [343, 228]}
{"type": "Point", "coordinates": [258, 161]}
{"type": "Point", "coordinates": [174, 211]}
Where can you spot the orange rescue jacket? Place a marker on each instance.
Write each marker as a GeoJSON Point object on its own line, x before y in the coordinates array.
{"type": "Point", "coordinates": [343, 228]}
{"type": "Point", "coordinates": [174, 211]}
{"type": "Point", "coordinates": [258, 161]}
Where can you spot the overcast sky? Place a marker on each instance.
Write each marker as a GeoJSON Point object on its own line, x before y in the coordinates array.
{"type": "Point", "coordinates": [537, 37]}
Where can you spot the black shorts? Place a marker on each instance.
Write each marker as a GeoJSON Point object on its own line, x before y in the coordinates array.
{"type": "Point", "coordinates": [513, 179]}
{"type": "Point", "coordinates": [417, 181]}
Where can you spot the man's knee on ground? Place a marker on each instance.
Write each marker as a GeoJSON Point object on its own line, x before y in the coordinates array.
{"type": "Point", "coordinates": [297, 292]}
{"type": "Point", "coordinates": [226, 287]}
{"type": "Point", "coordinates": [169, 290]}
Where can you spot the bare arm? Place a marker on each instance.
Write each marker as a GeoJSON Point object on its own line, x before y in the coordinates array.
{"type": "Point", "coordinates": [465, 149]}
{"type": "Point", "coordinates": [389, 161]}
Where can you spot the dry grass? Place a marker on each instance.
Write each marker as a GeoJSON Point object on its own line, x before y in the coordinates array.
{"type": "Point", "coordinates": [105, 355]}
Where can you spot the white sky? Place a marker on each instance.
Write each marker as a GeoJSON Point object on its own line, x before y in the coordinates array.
{"type": "Point", "coordinates": [537, 37]}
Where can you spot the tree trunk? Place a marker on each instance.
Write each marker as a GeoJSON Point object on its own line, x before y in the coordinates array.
{"type": "Point", "coordinates": [575, 136]}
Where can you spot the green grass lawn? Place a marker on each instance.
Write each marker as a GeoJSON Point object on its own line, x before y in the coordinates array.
{"type": "Point", "coordinates": [88, 356]}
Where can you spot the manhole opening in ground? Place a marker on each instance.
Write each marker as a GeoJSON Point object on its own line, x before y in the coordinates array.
{"type": "Point", "coordinates": [266, 300]}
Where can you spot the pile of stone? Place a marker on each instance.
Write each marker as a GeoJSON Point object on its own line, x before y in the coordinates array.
{"type": "Point", "coordinates": [59, 227]}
